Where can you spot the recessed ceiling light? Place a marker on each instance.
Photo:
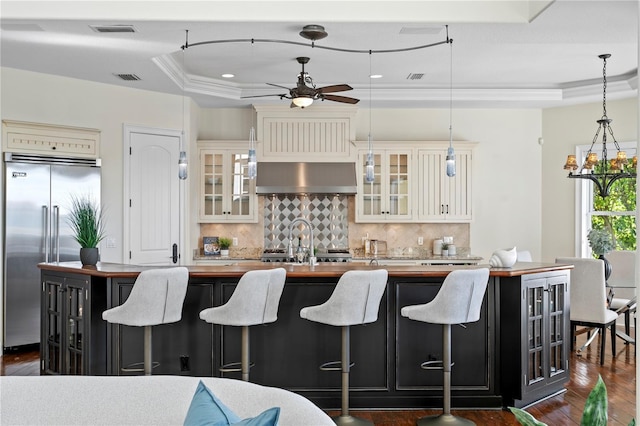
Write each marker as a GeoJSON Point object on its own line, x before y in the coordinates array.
{"type": "Point", "coordinates": [375, 76]}
{"type": "Point", "coordinates": [228, 75]}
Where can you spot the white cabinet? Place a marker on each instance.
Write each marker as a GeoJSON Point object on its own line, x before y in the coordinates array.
{"type": "Point", "coordinates": [388, 198]}
{"type": "Point", "coordinates": [226, 192]}
{"type": "Point", "coordinates": [443, 198]}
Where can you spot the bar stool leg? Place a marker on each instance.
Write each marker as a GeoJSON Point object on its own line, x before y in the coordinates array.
{"type": "Point", "coordinates": [345, 418]}
{"type": "Point", "coordinates": [445, 418]}
{"type": "Point", "coordinates": [147, 351]}
{"type": "Point", "coordinates": [245, 353]}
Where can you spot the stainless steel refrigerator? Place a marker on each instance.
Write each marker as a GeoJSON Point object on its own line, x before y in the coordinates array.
{"type": "Point", "coordinates": [37, 196]}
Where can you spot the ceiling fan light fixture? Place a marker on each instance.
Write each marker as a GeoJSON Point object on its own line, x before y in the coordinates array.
{"type": "Point", "coordinates": [302, 101]}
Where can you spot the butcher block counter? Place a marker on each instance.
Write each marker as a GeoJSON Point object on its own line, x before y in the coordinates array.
{"type": "Point", "coordinates": [516, 354]}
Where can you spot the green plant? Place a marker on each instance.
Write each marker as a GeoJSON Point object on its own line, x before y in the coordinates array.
{"type": "Point", "coordinates": [224, 243]}
{"type": "Point", "coordinates": [600, 241]}
{"type": "Point", "coordinates": [445, 246]}
{"type": "Point", "coordinates": [594, 413]}
{"type": "Point", "coordinates": [86, 221]}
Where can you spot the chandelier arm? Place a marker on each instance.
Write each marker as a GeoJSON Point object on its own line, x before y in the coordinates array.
{"type": "Point", "coordinates": [313, 45]}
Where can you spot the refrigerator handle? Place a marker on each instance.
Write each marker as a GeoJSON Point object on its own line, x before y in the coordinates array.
{"type": "Point", "coordinates": [56, 235]}
{"type": "Point", "coordinates": [45, 236]}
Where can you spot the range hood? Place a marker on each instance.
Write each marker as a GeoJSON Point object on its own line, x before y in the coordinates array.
{"type": "Point", "coordinates": [306, 178]}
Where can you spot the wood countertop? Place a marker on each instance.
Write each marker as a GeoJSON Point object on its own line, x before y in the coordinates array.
{"type": "Point", "coordinates": [119, 270]}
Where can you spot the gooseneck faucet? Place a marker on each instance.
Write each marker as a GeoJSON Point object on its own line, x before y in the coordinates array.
{"type": "Point", "coordinates": [312, 254]}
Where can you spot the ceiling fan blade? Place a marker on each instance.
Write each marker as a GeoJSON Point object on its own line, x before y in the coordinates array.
{"type": "Point", "coordinates": [292, 105]}
{"type": "Point", "coordinates": [277, 85]}
{"type": "Point", "coordinates": [343, 99]}
{"type": "Point", "coordinates": [335, 88]}
{"type": "Point", "coordinates": [262, 96]}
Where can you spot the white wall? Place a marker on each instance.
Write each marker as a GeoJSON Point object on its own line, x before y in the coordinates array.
{"type": "Point", "coordinates": [563, 129]}
{"type": "Point", "coordinates": [42, 98]}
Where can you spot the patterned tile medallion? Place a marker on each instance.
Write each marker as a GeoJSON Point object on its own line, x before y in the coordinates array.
{"type": "Point", "coordinates": [328, 215]}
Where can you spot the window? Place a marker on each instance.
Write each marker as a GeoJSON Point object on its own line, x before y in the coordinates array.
{"type": "Point", "coordinates": [617, 212]}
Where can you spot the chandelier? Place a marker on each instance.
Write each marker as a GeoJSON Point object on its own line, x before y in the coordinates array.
{"type": "Point", "coordinates": [603, 172]}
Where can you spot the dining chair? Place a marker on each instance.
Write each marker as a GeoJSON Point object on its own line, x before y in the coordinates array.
{"type": "Point", "coordinates": [622, 284]}
{"type": "Point", "coordinates": [588, 302]}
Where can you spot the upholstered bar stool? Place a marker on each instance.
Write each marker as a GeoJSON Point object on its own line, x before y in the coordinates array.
{"type": "Point", "coordinates": [355, 300]}
{"type": "Point", "coordinates": [458, 302]}
{"type": "Point", "coordinates": [156, 298]}
{"type": "Point", "coordinates": [254, 301]}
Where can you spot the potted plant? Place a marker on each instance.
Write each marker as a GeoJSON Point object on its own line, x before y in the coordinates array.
{"type": "Point", "coordinates": [224, 245]}
{"type": "Point", "coordinates": [445, 249]}
{"type": "Point", "coordinates": [601, 243]}
{"type": "Point", "coordinates": [87, 224]}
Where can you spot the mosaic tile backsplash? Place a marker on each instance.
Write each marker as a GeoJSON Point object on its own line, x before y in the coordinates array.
{"type": "Point", "coordinates": [328, 215]}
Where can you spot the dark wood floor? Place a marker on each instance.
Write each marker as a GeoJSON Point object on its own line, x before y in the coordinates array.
{"type": "Point", "coordinates": [618, 373]}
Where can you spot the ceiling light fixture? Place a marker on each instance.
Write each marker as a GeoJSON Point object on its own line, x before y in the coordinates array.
{"type": "Point", "coordinates": [252, 162]}
{"type": "Point", "coordinates": [451, 158]}
{"type": "Point", "coordinates": [603, 172]}
{"type": "Point", "coordinates": [228, 75]}
{"type": "Point", "coordinates": [302, 101]}
{"type": "Point", "coordinates": [182, 158]}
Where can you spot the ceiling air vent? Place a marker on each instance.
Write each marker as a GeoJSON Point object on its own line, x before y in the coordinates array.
{"type": "Point", "coordinates": [113, 28]}
{"type": "Point", "coordinates": [128, 77]}
{"type": "Point", "coordinates": [415, 76]}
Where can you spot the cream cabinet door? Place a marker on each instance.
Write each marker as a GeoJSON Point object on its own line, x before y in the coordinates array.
{"type": "Point", "coordinates": [226, 192]}
{"type": "Point", "coordinates": [443, 198]}
{"type": "Point", "coordinates": [388, 197]}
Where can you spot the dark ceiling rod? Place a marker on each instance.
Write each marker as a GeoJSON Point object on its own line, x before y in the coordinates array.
{"type": "Point", "coordinates": [313, 45]}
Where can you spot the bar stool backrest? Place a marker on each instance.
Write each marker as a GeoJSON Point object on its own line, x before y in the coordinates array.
{"type": "Point", "coordinates": [156, 298]}
{"type": "Point", "coordinates": [588, 297]}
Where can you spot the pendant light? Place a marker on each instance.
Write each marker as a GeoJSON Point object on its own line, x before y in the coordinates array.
{"type": "Point", "coordinates": [370, 164]}
{"type": "Point", "coordinates": [252, 164]}
{"type": "Point", "coordinates": [451, 158]}
{"type": "Point", "coordinates": [182, 159]}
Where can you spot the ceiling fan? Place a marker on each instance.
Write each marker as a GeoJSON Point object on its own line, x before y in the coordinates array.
{"type": "Point", "coordinates": [306, 92]}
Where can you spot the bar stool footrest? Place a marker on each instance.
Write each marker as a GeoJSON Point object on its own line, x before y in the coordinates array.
{"type": "Point", "coordinates": [427, 365]}
{"type": "Point", "coordinates": [230, 367]}
{"type": "Point", "coordinates": [131, 368]}
{"type": "Point", "coordinates": [328, 366]}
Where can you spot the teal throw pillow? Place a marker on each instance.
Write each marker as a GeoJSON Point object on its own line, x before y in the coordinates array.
{"type": "Point", "coordinates": [207, 410]}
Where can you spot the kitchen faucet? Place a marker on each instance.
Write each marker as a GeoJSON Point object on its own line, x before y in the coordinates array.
{"type": "Point", "coordinates": [312, 254]}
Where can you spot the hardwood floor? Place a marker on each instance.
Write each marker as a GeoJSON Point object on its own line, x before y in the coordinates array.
{"type": "Point", "coordinates": [618, 373]}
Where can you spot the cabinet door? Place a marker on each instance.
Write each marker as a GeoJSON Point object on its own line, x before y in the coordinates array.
{"type": "Point", "coordinates": [212, 178]}
{"type": "Point", "coordinates": [76, 305]}
{"type": "Point", "coordinates": [388, 197]}
{"type": "Point", "coordinates": [547, 349]}
{"type": "Point", "coordinates": [558, 304]}
{"type": "Point", "coordinates": [534, 295]}
{"type": "Point", "coordinates": [52, 339]}
{"type": "Point", "coordinates": [443, 198]}
{"type": "Point", "coordinates": [226, 192]}
{"type": "Point", "coordinates": [64, 325]}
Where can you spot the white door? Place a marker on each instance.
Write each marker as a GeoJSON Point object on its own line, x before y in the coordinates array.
{"type": "Point", "coordinates": [153, 204]}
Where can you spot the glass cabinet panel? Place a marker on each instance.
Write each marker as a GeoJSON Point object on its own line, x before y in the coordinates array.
{"type": "Point", "coordinates": [53, 327]}
{"type": "Point", "coordinates": [557, 361]}
{"type": "Point", "coordinates": [75, 297]}
{"type": "Point", "coordinates": [535, 324]}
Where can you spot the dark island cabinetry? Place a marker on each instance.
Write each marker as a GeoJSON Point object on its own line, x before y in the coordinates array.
{"type": "Point", "coordinates": [515, 354]}
{"type": "Point", "coordinates": [537, 362]}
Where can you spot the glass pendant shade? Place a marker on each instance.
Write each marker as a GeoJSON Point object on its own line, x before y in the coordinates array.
{"type": "Point", "coordinates": [252, 164]}
{"type": "Point", "coordinates": [369, 175]}
{"type": "Point", "coordinates": [451, 162]}
{"type": "Point", "coordinates": [182, 165]}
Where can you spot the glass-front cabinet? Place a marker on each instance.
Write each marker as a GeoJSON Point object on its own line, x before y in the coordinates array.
{"type": "Point", "coordinates": [389, 196]}
{"type": "Point", "coordinates": [226, 191]}
{"type": "Point", "coordinates": [544, 331]}
{"type": "Point", "coordinates": [64, 325]}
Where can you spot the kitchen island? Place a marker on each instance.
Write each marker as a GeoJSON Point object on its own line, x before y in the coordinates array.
{"type": "Point", "coordinates": [515, 354]}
